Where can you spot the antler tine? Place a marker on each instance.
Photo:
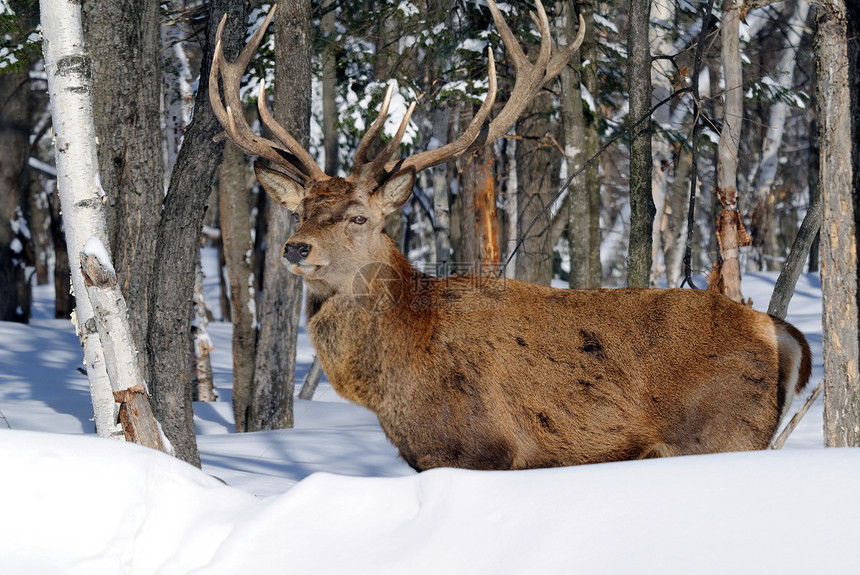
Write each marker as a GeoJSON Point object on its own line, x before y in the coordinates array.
{"type": "Point", "coordinates": [530, 78]}
{"type": "Point", "coordinates": [312, 169]}
{"type": "Point", "coordinates": [231, 117]}
{"type": "Point", "coordinates": [378, 166]}
{"type": "Point", "coordinates": [360, 157]}
{"type": "Point", "coordinates": [470, 135]}
{"type": "Point", "coordinates": [560, 59]}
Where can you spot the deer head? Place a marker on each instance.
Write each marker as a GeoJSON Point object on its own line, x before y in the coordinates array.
{"type": "Point", "coordinates": [339, 221]}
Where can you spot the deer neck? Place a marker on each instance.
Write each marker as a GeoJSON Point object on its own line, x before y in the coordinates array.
{"type": "Point", "coordinates": [350, 328]}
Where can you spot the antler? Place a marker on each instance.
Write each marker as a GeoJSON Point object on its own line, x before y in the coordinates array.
{"type": "Point", "coordinates": [287, 153]}
{"type": "Point", "coordinates": [530, 78]}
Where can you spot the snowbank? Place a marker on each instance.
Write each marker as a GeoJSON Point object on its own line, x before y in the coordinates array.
{"type": "Point", "coordinates": [78, 504]}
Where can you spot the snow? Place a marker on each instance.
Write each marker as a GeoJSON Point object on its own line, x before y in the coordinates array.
{"type": "Point", "coordinates": [331, 496]}
{"type": "Point", "coordinates": [94, 248]}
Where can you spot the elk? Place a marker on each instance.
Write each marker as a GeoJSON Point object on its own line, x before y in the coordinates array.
{"type": "Point", "coordinates": [489, 373]}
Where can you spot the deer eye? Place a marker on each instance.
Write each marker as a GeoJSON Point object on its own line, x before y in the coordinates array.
{"type": "Point", "coordinates": [358, 220]}
{"type": "Point", "coordinates": [296, 217]}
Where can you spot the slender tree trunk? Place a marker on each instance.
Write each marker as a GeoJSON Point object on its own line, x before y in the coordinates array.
{"type": "Point", "coordinates": [177, 251]}
{"type": "Point", "coordinates": [238, 249]}
{"type": "Point", "coordinates": [725, 276]}
{"type": "Point", "coordinates": [67, 66]}
{"type": "Point", "coordinates": [123, 42]}
{"type": "Point", "coordinates": [201, 344]}
{"type": "Point", "coordinates": [176, 88]}
{"type": "Point", "coordinates": [839, 229]}
{"type": "Point", "coordinates": [120, 355]}
{"type": "Point", "coordinates": [766, 244]}
{"type": "Point", "coordinates": [274, 377]}
{"type": "Point", "coordinates": [662, 17]}
{"type": "Point", "coordinates": [538, 163]}
{"type": "Point", "coordinates": [15, 122]}
{"type": "Point", "coordinates": [64, 301]}
{"type": "Point", "coordinates": [588, 58]}
{"type": "Point", "coordinates": [442, 195]}
{"type": "Point", "coordinates": [575, 152]}
{"type": "Point", "coordinates": [642, 208]}
{"type": "Point", "coordinates": [329, 79]}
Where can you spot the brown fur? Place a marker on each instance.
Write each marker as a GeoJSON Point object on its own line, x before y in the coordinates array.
{"type": "Point", "coordinates": [499, 374]}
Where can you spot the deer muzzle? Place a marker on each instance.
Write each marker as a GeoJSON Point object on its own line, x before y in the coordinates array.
{"type": "Point", "coordinates": [295, 253]}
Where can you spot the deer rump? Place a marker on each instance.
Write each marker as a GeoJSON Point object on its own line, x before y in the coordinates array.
{"type": "Point", "coordinates": [515, 376]}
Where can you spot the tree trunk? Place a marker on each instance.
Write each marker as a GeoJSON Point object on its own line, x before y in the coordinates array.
{"type": "Point", "coordinates": [725, 276]}
{"type": "Point", "coordinates": [177, 250]}
{"type": "Point", "coordinates": [480, 231]}
{"type": "Point", "coordinates": [123, 42]}
{"type": "Point", "coordinates": [274, 376]}
{"type": "Point", "coordinates": [120, 355]}
{"type": "Point", "coordinates": [68, 69]}
{"type": "Point", "coordinates": [64, 301]}
{"type": "Point", "coordinates": [538, 163]}
{"type": "Point", "coordinates": [201, 343]}
{"type": "Point", "coordinates": [642, 208]}
{"type": "Point", "coordinates": [661, 18]}
{"type": "Point", "coordinates": [575, 155]}
{"type": "Point", "coordinates": [588, 75]}
{"type": "Point", "coordinates": [442, 195]}
{"type": "Point", "coordinates": [176, 88]}
{"type": "Point", "coordinates": [765, 243]}
{"type": "Point", "coordinates": [329, 89]}
{"type": "Point", "coordinates": [15, 123]}
{"type": "Point", "coordinates": [838, 229]}
{"type": "Point", "coordinates": [238, 247]}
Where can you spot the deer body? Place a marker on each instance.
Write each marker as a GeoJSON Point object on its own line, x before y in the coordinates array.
{"type": "Point", "coordinates": [487, 373]}
{"type": "Point", "coordinates": [500, 374]}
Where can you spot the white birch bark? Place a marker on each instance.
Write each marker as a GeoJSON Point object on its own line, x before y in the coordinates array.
{"type": "Point", "coordinates": [662, 17]}
{"type": "Point", "coordinates": [120, 355]}
{"type": "Point", "coordinates": [778, 111]}
{"type": "Point", "coordinates": [70, 88]}
{"type": "Point", "coordinates": [177, 95]}
{"type": "Point", "coordinates": [511, 207]}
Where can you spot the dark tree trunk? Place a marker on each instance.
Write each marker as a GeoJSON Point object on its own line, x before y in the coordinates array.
{"type": "Point", "coordinates": [123, 41]}
{"type": "Point", "coordinates": [176, 254]}
{"type": "Point", "coordinates": [274, 375]}
{"type": "Point", "coordinates": [839, 224]}
{"type": "Point", "coordinates": [538, 163]}
{"type": "Point", "coordinates": [642, 208]}
{"type": "Point", "coordinates": [236, 239]}
{"type": "Point", "coordinates": [15, 120]}
{"type": "Point", "coordinates": [64, 301]}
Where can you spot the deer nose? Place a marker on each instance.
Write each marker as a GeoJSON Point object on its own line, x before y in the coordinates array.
{"type": "Point", "coordinates": [296, 252]}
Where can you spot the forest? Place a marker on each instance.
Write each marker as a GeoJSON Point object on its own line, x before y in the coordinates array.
{"type": "Point", "coordinates": [686, 143]}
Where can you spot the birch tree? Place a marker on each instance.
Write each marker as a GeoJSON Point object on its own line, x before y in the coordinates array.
{"type": "Point", "coordinates": [784, 79]}
{"type": "Point", "coordinates": [68, 68]}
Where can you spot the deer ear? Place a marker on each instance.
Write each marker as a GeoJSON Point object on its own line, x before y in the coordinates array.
{"type": "Point", "coordinates": [280, 187]}
{"type": "Point", "coordinates": [396, 190]}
